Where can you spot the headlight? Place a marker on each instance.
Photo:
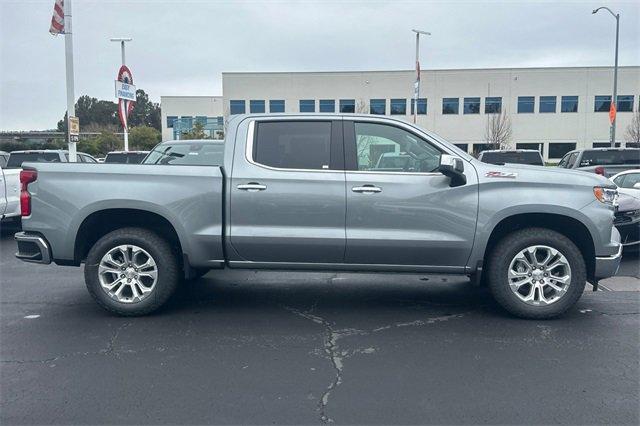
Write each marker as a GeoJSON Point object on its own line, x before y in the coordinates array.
{"type": "Point", "coordinates": [606, 195]}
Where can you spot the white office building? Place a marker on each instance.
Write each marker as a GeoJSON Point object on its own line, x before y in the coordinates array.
{"type": "Point", "coordinates": [551, 109]}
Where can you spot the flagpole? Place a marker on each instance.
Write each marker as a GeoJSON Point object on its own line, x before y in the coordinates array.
{"type": "Point", "coordinates": [68, 54]}
{"type": "Point", "coordinates": [416, 88]}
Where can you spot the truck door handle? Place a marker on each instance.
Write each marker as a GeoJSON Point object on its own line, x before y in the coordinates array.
{"type": "Point", "coordinates": [366, 189]}
{"type": "Point", "coordinates": [252, 187]}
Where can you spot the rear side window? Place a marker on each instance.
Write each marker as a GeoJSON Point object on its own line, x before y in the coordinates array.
{"type": "Point", "coordinates": [293, 144]}
{"type": "Point", "coordinates": [16, 159]}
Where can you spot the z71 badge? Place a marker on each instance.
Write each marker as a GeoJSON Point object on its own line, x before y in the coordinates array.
{"type": "Point", "coordinates": [508, 175]}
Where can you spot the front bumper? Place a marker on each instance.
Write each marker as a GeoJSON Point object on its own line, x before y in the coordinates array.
{"type": "Point", "coordinates": [607, 266]}
{"type": "Point", "coordinates": [32, 248]}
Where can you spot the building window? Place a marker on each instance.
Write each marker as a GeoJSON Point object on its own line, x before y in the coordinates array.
{"type": "Point", "coordinates": [526, 104]}
{"type": "Point", "coordinates": [398, 107]}
{"type": "Point", "coordinates": [493, 105]}
{"type": "Point", "coordinates": [422, 106]}
{"type": "Point", "coordinates": [625, 103]}
{"type": "Point", "coordinates": [276, 105]}
{"type": "Point", "coordinates": [378, 106]}
{"type": "Point", "coordinates": [307, 105]}
{"type": "Point", "coordinates": [479, 147]}
{"type": "Point", "coordinates": [471, 106]}
{"type": "Point", "coordinates": [220, 121]}
{"type": "Point", "coordinates": [547, 104]}
{"type": "Point", "coordinates": [170, 120]}
{"type": "Point", "coordinates": [236, 107]}
{"type": "Point", "coordinates": [293, 144]}
{"type": "Point", "coordinates": [602, 104]}
{"type": "Point", "coordinates": [569, 104]}
{"type": "Point", "coordinates": [327, 105]}
{"type": "Point", "coordinates": [202, 120]}
{"type": "Point", "coordinates": [450, 105]}
{"type": "Point", "coordinates": [536, 146]}
{"type": "Point", "coordinates": [558, 150]}
{"type": "Point", "coordinates": [348, 106]}
{"type": "Point", "coordinates": [606, 145]}
{"type": "Point", "coordinates": [256, 106]}
{"type": "Point", "coordinates": [463, 146]}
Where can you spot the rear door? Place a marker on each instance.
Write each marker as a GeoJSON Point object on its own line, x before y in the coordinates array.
{"type": "Point", "coordinates": [409, 216]}
{"type": "Point", "coordinates": [288, 192]}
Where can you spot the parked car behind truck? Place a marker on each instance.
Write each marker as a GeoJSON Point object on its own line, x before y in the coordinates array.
{"type": "Point", "coordinates": [603, 161]}
{"type": "Point", "coordinates": [301, 192]}
{"type": "Point", "coordinates": [16, 158]}
{"type": "Point", "coordinates": [9, 194]}
{"type": "Point", "coordinates": [517, 156]}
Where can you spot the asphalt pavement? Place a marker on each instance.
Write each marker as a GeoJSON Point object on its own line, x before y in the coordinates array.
{"type": "Point", "coordinates": [241, 347]}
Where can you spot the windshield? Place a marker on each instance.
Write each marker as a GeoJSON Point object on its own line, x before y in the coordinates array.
{"type": "Point", "coordinates": [17, 158]}
{"type": "Point", "coordinates": [627, 156]}
{"type": "Point", "coordinates": [187, 154]}
{"type": "Point", "coordinates": [533, 158]}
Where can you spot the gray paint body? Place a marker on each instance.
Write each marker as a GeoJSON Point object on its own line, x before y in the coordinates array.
{"type": "Point", "coordinates": [311, 219]}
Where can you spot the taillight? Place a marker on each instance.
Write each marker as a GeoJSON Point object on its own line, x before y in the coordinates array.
{"type": "Point", "coordinates": [26, 177]}
{"type": "Point", "coordinates": [600, 170]}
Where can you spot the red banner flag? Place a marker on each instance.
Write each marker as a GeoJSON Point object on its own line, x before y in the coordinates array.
{"type": "Point", "coordinates": [612, 112]}
{"type": "Point", "coordinates": [57, 20]}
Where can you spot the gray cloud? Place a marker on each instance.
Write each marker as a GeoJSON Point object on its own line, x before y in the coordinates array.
{"type": "Point", "coordinates": [181, 47]}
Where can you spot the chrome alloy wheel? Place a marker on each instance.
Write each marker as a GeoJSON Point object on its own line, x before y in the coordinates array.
{"type": "Point", "coordinates": [128, 273]}
{"type": "Point", "coordinates": [539, 275]}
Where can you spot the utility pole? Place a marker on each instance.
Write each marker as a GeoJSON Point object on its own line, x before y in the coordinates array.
{"type": "Point", "coordinates": [122, 41]}
{"type": "Point", "coordinates": [416, 87]}
{"type": "Point", "coordinates": [68, 54]}
{"type": "Point", "coordinates": [614, 98]}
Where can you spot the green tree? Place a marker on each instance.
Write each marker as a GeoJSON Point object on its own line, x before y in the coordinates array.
{"type": "Point", "coordinates": [143, 137]}
{"type": "Point", "coordinates": [107, 141]}
{"type": "Point", "coordinates": [197, 132]}
{"type": "Point", "coordinates": [145, 112]}
{"type": "Point", "coordinates": [92, 111]}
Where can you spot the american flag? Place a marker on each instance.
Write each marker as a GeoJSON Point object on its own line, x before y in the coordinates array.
{"type": "Point", "coordinates": [57, 20]}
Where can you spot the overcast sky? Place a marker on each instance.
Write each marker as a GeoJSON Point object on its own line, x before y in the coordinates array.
{"type": "Point", "coordinates": [181, 47]}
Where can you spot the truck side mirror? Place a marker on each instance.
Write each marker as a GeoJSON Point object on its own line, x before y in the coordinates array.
{"type": "Point", "coordinates": [453, 168]}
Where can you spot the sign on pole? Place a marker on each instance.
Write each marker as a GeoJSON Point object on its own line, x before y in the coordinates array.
{"type": "Point", "coordinates": [125, 105]}
{"type": "Point", "coordinates": [125, 91]}
{"type": "Point", "coordinates": [74, 129]}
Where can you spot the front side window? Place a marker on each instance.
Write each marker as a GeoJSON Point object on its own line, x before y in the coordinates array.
{"type": "Point", "coordinates": [625, 103]}
{"type": "Point", "coordinates": [348, 106]}
{"type": "Point", "coordinates": [236, 107]}
{"type": "Point", "coordinates": [293, 144]}
{"type": "Point", "coordinates": [327, 105]}
{"type": "Point", "coordinates": [526, 104]}
{"type": "Point", "coordinates": [256, 106]}
{"type": "Point", "coordinates": [627, 180]}
{"type": "Point", "coordinates": [276, 105]}
{"type": "Point", "coordinates": [493, 105]}
{"type": "Point", "coordinates": [307, 105]}
{"type": "Point", "coordinates": [422, 106]}
{"type": "Point", "coordinates": [547, 104]}
{"type": "Point", "coordinates": [602, 103]}
{"type": "Point", "coordinates": [472, 105]}
{"type": "Point", "coordinates": [398, 107]}
{"type": "Point", "coordinates": [384, 148]}
{"type": "Point", "coordinates": [449, 105]}
{"type": "Point", "coordinates": [378, 106]}
{"type": "Point", "coordinates": [569, 104]}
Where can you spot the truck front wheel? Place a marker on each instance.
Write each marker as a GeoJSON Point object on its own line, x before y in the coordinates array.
{"type": "Point", "coordinates": [536, 273]}
{"type": "Point", "coordinates": [131, 272]}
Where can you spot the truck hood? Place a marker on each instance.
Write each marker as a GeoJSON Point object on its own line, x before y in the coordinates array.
{"type": "Point", "coordinates": [538, 174]}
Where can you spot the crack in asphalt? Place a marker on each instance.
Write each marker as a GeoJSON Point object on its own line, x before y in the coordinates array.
{"type": "Point", "coordinates": [110, 349]}
{"type": "Point", "coordinates": [337, 356]}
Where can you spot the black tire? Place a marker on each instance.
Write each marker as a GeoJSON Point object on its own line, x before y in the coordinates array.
{"type": "Point", "coordinates": [507, 248]}
{"type": "Point", "coordinates": [157, 247]}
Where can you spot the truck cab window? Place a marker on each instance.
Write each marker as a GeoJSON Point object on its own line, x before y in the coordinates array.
{"type": "Point", "coordinates": [384, 148]}
{"type": "Point", "coordinates": [293, 144]}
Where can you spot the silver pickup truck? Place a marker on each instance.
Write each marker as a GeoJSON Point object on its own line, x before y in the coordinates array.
{"type": "Point", "coordinates": [305, 192]}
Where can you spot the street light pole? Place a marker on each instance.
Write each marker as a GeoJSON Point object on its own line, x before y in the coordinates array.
{"type": "Point", "coordinates": [416, 88]}
{"type": "Point", "coordinates": [122, 41]}
{"type": "Point", "coordinates": [68, 50]}
{"type": "Point", "coordinates": [614, 98]}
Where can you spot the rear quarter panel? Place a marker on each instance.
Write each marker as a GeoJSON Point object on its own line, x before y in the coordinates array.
{"type": "Point", "coordinates": [189, 197]}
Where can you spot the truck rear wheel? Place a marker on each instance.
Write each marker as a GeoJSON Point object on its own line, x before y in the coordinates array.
{"type": "Point", "coordinates": [131, 271]}
{"type": "Point", "coordinates": [536, 273]}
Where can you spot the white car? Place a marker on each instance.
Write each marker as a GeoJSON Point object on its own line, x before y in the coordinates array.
{"type": "Point", "coordinates": [628, 182]}
{"type": "Point", "coordinates": [9, 193]}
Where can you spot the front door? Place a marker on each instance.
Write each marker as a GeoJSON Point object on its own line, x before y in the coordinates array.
{"type": "Point", "coordinates": [400, 210]}
{"type": "Point", "coordinates": [288, 192]}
